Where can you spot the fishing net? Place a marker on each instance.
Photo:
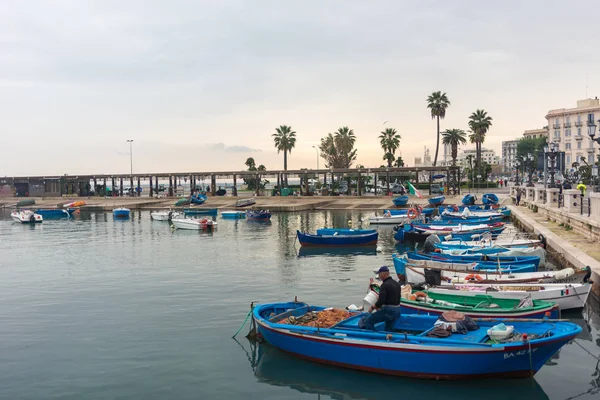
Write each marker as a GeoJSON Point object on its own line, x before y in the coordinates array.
{"type": "Point", "coordinates": [319, 319]}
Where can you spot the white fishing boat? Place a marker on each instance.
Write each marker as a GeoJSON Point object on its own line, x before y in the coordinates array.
{"type": "Point", "coordinates": [501, 251]}
{"type": "Point", "coordinates": [166, 215]}
{"type": "Point", "coordinates": [501, 241]}
{"type": "Point", "coordinates": [26, 217]}
{"type": "Point", "coordinates": [567, 296]}
{"type": "Point", "coordinates": [389, 219]}
{"type": "Point", "coordinates": [472, 214]}
{"type": "Point", "coordinates": [194, 224]}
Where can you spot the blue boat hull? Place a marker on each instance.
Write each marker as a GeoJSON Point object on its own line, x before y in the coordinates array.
{"type": "Point", "coordinates": [258, 215]}
{"type": "Point", "coordinates": [436, 201]}
{"type": "Point", "coordinates": [425, 211]}
{"type": "Point", "coordinates": [400, 201]}
{"type": "Point", "coordinates": [468, 200]}
{"type": "Point", "coordinates": [198, 199]}
{"type": "Point", "coordinates": [492, 263]}
{"type": "Point", "coordinates": [341, 231]}
{"type": "Point", "coordinates": [305, 239]}
{"type": "Point", "coordinates": [489, 198]}
{"type": "Point", "coordinates": [53, 213]}
{"type": "Point", "coordinates": [121, 213]}
{"type": "Point", "coordinates": [415, 356]}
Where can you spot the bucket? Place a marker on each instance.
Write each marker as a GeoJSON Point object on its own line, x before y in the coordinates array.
{"type": "Point", "coordinates": [370, 300]}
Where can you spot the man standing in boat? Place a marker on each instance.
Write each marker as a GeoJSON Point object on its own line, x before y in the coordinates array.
{"type": "Point", "coordinates": [387, 306]}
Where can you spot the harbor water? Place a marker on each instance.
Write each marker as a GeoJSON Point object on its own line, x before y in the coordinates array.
{"type": "Point", "coordinates": [97, 308]}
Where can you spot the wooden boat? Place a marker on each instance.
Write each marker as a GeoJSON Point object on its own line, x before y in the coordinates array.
{"type": "Point", "coordinates": [478, 305]}
{"type": "Point", "coordinates": [488, 260]}
{"type": "Point", "coordinates": [389, 219]}
{"type": "Point", "coordinates": [567, 296]}
{"type": "Point", "coordinates": [462, 273]}
{"type": "Point", "coordinates": [166, 215]}
{"type": "Point", "coordinates": [400, 201]}
{"type": "Point", "coordinates": [338, 239]}
{"type": "Point", "coordinates": [482, 267]}
{"type": "Point", "coordinates": [504, 242]}
{"type": "Point", "coordinates": [489, 198]}
{"type": "Point", "coordinates": [53, 213]}
{"type": "Point", "coordinates": [539, 252]}
{"type": "Point", "coordinates": [201, 211]}
{"type": "Point", "coordinates": [471, 214]}
{"type": "Point", "coordinates": [440, 229]}
{"type": "Point", "coordinates": [182, 202]}
{"type": "Point", "coordinates": [194, 224]}
{"type": "Point", "coordinates": [505, 211]}
{"type": "Point", "coordinates": [245, 202]}
{"type": "Point", "coordinates": [258, 215]}
{"type": "Point", "coordinates": [436, 201]}
{"type": "Point", "coordinates": [73, 204]}
{"type": "Point", "coordinates": [233, 214]}
{"type": "Point", "coordinates": [404, 211]}
{"type": "Point", "coordinates": [469, 200]}
{"type": "Point", "coordinates": [411, 352]}
{"type": "Point", "coordinates": [121, 212]}
{"type": "Point", "coordinates": [26, 217]}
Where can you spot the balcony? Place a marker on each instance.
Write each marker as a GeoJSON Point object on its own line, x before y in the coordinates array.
{"type": "Point", "coordinates": [567, 125]}
{"type": "Point", "coordinates": [556, 126]}
{"type": "Point", "coordinates": [579, 124]}
{"type": "Point", "coordinates": [556, 139]}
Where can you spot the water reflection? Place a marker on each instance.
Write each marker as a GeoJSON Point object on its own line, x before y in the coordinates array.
{"type": "Point", "coordinates": [276, 368]}
{"type": "Point", "coordinates": [336, 251]}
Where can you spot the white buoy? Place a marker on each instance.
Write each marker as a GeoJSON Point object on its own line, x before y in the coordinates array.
{"type": "Point", "coordinates": [379, 249]}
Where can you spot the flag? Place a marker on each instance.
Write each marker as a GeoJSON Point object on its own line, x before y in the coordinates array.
{"type": "Point", "coordinates": [413, 190]}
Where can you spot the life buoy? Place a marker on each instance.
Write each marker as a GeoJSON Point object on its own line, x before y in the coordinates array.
{"type": "Point", "coordinates": [472, 277]}
{"type": "Point", "coordinates": [412, 213]}
{"type": "Point", "coordinates": [455, 208]}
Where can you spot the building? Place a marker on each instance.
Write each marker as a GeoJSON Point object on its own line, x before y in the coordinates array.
{"type": "Point", "coordinates": [536, 133]}
{"type": "Point", "coordinates": [509, 155]}
{"type": "Point", "coordinates": [488, 156]}
{"type": "Point", "coordinates": [567, 127]}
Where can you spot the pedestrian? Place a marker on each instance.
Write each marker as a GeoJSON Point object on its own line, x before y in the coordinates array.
{"type": "Point", "coordinates": [518, 195]}
{"type": "Point", "coordinates": [581, 187]}
{"type": "Point", "coordinates": [505, 183]}
{"type": "Point", "coordinates": [387, 307]}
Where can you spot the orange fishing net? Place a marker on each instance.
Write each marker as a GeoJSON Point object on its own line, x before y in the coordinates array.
{"type": "Point", "coordinates": [321, 319]}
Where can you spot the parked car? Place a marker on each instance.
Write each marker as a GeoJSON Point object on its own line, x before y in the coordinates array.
{"type": "Point", "coordinates": [437, 188]}
{"type": "Point", "coordinates": [397, 189]}
{"type": "Point", "coordinates": [342, 189]}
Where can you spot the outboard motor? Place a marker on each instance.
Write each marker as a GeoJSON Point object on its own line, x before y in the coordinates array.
{"type": "Point", "coordinates": [430, 243]}
{"type": "Point", "coordinates": [32, 218]}
{"type": "Point", "coordinates": [170, 215]}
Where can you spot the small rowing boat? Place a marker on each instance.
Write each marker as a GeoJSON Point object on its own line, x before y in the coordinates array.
{"type": "Point", "coordinates": [26, 217]}
{"type": "Point", "coordinates": [338, 237]}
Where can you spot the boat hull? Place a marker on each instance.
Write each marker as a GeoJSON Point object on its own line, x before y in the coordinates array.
{"type": "Point", "coordinates": [121, 213]}
{"type": "Point", "coordinates": [164, 215]}
{"type": "Point", "coordinates": [194, 225]}
{"type": "Point", "coordinates": [201, 211]}
{"type": "Point", "coordinates": [305, 239]}
{"type": "Point", "coordinates": [26, 217]}
{"type": "Point", "coordinates": [53, 213]}
{"type": "Point", "coordinates": [400, 201]}
{"type": "Point", "coordinates": [258, 215]}
{"type": "Point", "coordinates": [414, 356]}
{"type": "Point", "coordinates": [233, 214]}
{"type": "Point", "coordinates": [436, 201]}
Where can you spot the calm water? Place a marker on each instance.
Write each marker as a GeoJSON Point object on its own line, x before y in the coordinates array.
{"type": "Point", "coordinates": [99, 309]}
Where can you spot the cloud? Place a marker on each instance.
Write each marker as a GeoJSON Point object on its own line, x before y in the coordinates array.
{"type": "Point", "coordinates": [231, 149]}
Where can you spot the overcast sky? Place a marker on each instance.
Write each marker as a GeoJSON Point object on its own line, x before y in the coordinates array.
{"type": "Point", "coordinates": [201, 86]}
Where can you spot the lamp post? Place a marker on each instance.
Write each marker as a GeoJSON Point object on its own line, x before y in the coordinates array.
{"type": "Point", "coordinates": [592, 132]}
{"type": "Point", "coordinates": [550, 152]}
{"type": "Point", "coordinates": [530, 158]}
{"type": "Point", "coordinates": [517, 163]}
{"type": "Point", "coordinates": [317, 150]}
{"type": "Point", "coordinates": [130, 141]}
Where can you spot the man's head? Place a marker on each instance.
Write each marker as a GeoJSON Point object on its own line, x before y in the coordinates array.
{"type": "Point", "coordinates": [383, 273]}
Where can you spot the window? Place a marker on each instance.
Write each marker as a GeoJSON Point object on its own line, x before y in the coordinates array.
{"type": "Point", "coordinates": [578, 131]}
{"type": "Point", "coordinates": [590, 158]}
{"type": "Point", "coordinates": [579, 118]}
{"type": "Point", "coordinates": [590, 118]}
{"type": "Point", "coordinates": [568, 161]}
{"type": "Point", "coordinates": [568, 119]}
{"type": "Point", "coordinates": [556, 135]}
{"type": "Point", "coordinates": [579, 145]}
{"type": "Point", "coordinates": [567, 146]}
{"type": "Point", "coordinates": [568, 132]}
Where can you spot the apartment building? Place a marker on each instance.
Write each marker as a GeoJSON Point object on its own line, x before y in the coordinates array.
{"type": "Point", "coordinates": [536, 133]}
{"type": "Point", "coordinates": [488, 156]}
{"type": "Point", "coordinates": [509, 155]}
{"type": "Point", "coordinates": [568, 128]}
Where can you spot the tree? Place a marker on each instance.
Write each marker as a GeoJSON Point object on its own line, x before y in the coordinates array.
{"type": "Point", "coordinates": [437, 102]}
{"type": "Point", "coordinates": [479, 123]}
{"type": "Point", "coordinates": [251, 180]}
{"type": "Point", "coordinates": [338, 149]}
{"type": "Point", "coordinates": [454, 138]}
{"type": "Point", "coordinates": [285, 140]}
{"type": "Point", "coordinates": [399, 162]}
{"type": "Point", "coordinates": [390, 141]}
{"type": "Point", "coordinates": [251, 164]}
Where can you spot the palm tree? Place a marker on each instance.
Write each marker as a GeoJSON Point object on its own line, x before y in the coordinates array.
{"type": "Point", "coordinates": [454, 138]}
{"type": "Point", "coordinates": [480, 124]}
{"type": "Point", "coordinates": [399, 162]}
{"type": "Point", "coordinates": [285, 140]}
{"type": "Point", "coordinates": [437, 102]}
{"type": "Point", "coordinates": [390, 141]}
{"type": "Point", "coordinates": [250, 163]}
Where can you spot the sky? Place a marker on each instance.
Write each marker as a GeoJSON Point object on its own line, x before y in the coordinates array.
{"type": "Point", "coordinates": [202, 85]}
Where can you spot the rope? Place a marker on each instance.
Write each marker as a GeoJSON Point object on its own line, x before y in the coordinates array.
{"type": "Point", "coordinates": [244, 323]}
{"type": "Point", "coordinates": [586, 350]}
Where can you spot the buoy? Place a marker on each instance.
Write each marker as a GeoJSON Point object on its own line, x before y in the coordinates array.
{"type": "Point", "coordinates": [379, 249]}
{"type": "Point", "coordinates": [349, 222]}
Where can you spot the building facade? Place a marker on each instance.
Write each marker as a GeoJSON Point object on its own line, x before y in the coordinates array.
{"type": "Point", "coordinates": [509, 155]}
{"type": "Point", "coordinates": [488, 156]}
{"type": "Point", "coordinates": [536, 133]}
{"type": "Point", "coordinates": [567, 127]}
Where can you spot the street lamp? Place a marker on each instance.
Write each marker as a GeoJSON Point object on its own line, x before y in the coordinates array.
{"type": "Point", "coordinates": [132, 192]}
{"type": "Point", "coordinates": [550, 152]}
{"type": "Point", "coordinates": [530, 158]}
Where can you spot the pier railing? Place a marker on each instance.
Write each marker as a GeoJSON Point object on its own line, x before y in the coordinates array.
{"type": "Point", "coordinates": [586, 206]}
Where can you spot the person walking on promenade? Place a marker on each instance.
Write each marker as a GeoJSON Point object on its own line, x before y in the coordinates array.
{"type": "Point", "coordinates": [387, 306]}
{"type": "Point", "coordinates": [518, 196]}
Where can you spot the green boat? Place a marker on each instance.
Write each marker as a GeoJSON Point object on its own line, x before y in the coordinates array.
{"type": "Point", "coordinates": [475, 306]}
{"type": "Point", "coordinates": [182, 202]}
{"type": "Point", "coordinates": [26, 203]}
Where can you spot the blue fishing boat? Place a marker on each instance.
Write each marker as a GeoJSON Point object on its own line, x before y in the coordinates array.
{"type": "Point", "coordinates": [408, 350]}
{"type": "Point", "coordinates": [344, 231]}
{"type": "Point", "coordinates": [336, 239]}
{"type": "Point", "coordinates": [484, 261]}
{"type": "Point", "coordinates": [489, 198]}
{"type": "Point", "coordinates": [200, 211]}
{"type": "Point", "coordinates": [469, 200]}
{"type": "Point", "coordinates": [198, 198]}
{"type": "Point", "coordinates": [121, 212]}
{"type": "Point", "coordinates": [258, 215]}
{"type": "Point", "coordinates": [436, 201]}
{"type": "Point", "coordinates": [53, 213]}
{"type": "Point", "coordinates": [233, 214]}
{"type": "Point", "coordinates": [470, 221]}
{"type": "Point", "coordinates": [400, 201]}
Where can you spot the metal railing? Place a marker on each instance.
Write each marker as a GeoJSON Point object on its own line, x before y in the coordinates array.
{"type": "Point", "coordinates": [586, 206]}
